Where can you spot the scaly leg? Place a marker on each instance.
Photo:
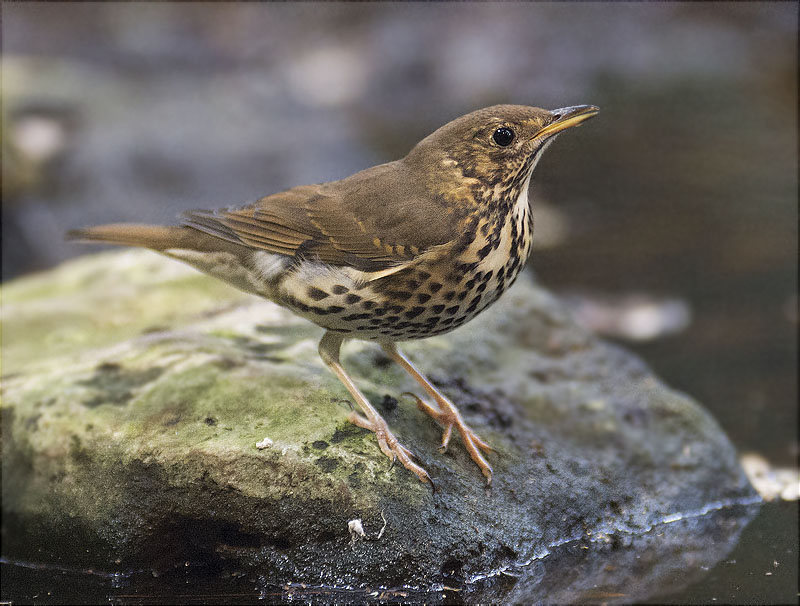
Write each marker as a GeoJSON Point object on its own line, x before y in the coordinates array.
{"type": "Point", "coordinates": [329, 352]}
{"type": "Point", "coordinates": [447, 414]}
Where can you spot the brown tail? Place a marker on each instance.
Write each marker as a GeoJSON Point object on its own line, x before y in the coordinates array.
{"type": "Point", "coordinates": [157, 237]}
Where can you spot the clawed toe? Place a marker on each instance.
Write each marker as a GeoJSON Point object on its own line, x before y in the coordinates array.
{"type": "Point", "coordinates": [449, 418]}
{"type": "Point", "coordinates": [360, 420]}
{"type": "Point", "coordinates": [405, 456]}
{"type": "Point", "coordinates": [390, 446]}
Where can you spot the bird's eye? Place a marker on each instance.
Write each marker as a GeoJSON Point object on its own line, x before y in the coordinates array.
{"type": "Point", "coordinates": [503, 136]}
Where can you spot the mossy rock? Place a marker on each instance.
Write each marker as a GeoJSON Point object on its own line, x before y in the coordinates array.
{"type": "Point", "coordinates": [135, 391]}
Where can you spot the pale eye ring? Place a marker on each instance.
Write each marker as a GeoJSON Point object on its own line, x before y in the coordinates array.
{"type": "Point", "coordinates": [503, 136]}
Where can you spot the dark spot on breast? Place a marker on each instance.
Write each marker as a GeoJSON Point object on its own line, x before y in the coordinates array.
{"type": "Point", "coordinates": [470, 284]}
{"type": "Point", "coordinates": [339, 289]}
{"type": "Point", "coordinates": [414, 312]}
{"type": "Point", "coordinates": [423, 297]}
{"type": "Point", "coordinates": [316, 293]}
{"type": "Point", "coordinates": [396, 309]}
{"type": "Point", "coordinates": [351, 298]}
{"type": "Point", "coordinates": [449, 296]}
{"type": "Point", "coordinates": [437, 309]}
{"type": "Point", "coordinates": [293, 302]}
{"type": "Point", "coordinates": [463, 295]}
{"type": "Point", "coordinates": [514, 252]}
{"type": "Point", "coordinates": [353, 317]}
{"type": "Point", "coordinates": [369, 304]}
{"type": "Point", "coordinates": [423, 275]}
{"type": "Point", "coordinates": [379, 312]}
{"type": "Point", "coordinates": [401, 295]}
{"type": "Point", "coordinates": [466, 268]}
{"type": "Point", "coordinates": [484, 252]}
{"type": "Point", "coordinates": [434, 287]}
{"type": "Point", "coordinates": [413, 284]}
{"type": "Point", "coordinates": [451, 310]}
{"type": "Point", "coordinates": [333, 309]}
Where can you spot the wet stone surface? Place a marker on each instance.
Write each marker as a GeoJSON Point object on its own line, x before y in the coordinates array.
{"type": "Point", "coordinates": [131, 446]}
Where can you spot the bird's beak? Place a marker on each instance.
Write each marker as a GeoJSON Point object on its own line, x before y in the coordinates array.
{"type": "Point", "coordinates": [567, 117]}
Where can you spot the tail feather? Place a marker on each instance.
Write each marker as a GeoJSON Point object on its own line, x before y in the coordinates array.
{"type": "Point", "coordinates": [157, 237]}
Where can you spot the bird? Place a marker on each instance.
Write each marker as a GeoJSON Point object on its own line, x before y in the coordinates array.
{"type": "Point", "coordinates": [401, 251]}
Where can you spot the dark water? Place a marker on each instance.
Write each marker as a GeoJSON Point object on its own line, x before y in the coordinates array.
{"type": "Point", "coordinates": [685, 187]}
{"type": "Point", "coordinates": [761, 569]}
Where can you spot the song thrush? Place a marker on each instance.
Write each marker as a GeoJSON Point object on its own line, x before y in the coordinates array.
{"type": "Point", "coordinates": [400, 251]}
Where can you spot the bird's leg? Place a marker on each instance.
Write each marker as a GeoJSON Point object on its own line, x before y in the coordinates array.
{"type": "Point", "coordinates": [329, 352]}
{"type": "Point", "coordinates": [446, 413]}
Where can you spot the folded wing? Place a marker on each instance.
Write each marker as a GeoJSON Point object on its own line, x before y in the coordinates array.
{"type": "Point", "coordinates": [372, 221]}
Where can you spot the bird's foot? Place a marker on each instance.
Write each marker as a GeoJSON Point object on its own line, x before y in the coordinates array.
{"type": "Point", "coordinates": [448, 417]}
{"type": "Point", "coordinates": [390, 446]}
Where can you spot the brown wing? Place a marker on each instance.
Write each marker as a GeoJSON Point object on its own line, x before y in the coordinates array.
{"type": "Point", "coordinates": [373, 220]}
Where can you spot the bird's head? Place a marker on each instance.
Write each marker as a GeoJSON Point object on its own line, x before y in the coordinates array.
{"type": "Point", "coordinates": [496, 148]}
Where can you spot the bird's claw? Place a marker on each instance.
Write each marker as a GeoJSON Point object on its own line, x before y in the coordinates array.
{"type": "Point", "coordinates": [390, 446]}
{"type": "Point", "coordinates": [449, 418]}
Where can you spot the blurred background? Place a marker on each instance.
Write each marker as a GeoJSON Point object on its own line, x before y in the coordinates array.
{"type": "Point", "coordinates": [668, 223]}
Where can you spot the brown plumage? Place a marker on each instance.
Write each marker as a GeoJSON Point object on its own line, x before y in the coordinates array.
{"type": "Point", "coordinates": [400, 251]}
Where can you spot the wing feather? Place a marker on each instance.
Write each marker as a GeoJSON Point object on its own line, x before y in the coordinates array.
{"type": "Point", "coordinates": [374, 221]}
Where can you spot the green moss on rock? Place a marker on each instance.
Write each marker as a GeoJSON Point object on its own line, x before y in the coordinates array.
{"type": "Point", "coordinates": [135, 393]}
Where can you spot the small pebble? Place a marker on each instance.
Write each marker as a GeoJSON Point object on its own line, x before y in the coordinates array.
{"type": "Point", "coordinates": [356, 530]}
{"type": "Point", "coordinates": [265, 443]}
